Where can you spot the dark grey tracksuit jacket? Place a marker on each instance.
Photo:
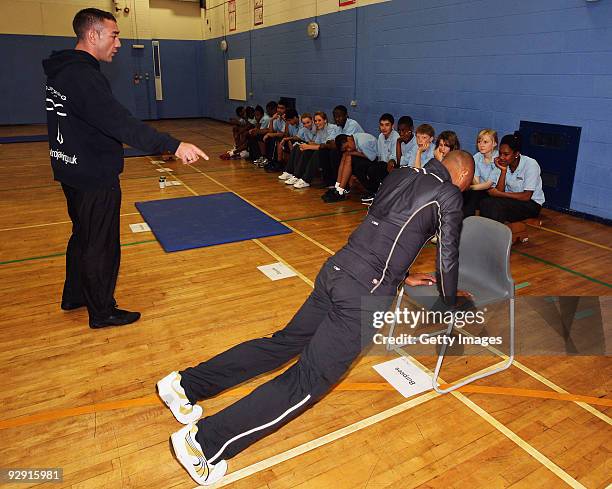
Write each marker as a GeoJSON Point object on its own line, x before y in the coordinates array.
{"type": "Point", "coordinates": [411, 206]}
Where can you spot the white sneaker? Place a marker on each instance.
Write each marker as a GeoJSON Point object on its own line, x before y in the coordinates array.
{"type": "Point", "coordinates": [172, 393]}
{"type": "Point", "coordinates": [301, 184]}
{"type": "Point", "coordinates": [284, 176]}
{"type": "Point", "coordinates": [434, 240]}
{"type": "Point", "coordinates": [258, 160]}
{"type": "Point", "coordinates": [292, 180]}
{"type": "Point", "coordinates": [262, 163]}
{"type": "Point", "coordinates": [244, 154]}
{"type": "Point", "coordinates": [190, 455]}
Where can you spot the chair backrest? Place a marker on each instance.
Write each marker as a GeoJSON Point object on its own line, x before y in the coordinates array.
{"type": "Point", "coordinates": [484, 251]}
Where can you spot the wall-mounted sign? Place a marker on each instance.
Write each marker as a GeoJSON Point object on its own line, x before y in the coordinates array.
{"type": "Point", "coordinates": [258, 12]}
{"type": "Point", "coordinates": [231, 7]}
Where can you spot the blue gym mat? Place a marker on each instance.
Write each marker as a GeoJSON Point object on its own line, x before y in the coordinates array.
{"type": "Point", "coordinates": [207, 220]}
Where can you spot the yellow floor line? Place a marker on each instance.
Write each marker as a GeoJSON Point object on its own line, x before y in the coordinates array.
{"type": "Point", "coordinates": [575, 238]}
{"type": "Point", "coordinates": [299, 274]}
{"type": "Point", "coordinates": [539, 456]}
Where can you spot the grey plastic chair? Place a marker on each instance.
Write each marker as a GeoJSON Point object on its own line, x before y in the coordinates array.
{"type": "Point", "coordinates": [484, 271]}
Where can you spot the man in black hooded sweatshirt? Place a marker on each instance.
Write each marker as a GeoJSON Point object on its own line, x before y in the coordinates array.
{"type": "Point", "coordinates": [87, 127]}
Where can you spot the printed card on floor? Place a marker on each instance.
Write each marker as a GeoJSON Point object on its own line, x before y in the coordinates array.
{"type": "Point", "coordinates": [405, 376]}
{"type": "Point", "coordinates": [157, 162]}
{"type": "Point", "coordinates": [140, 227]}
{"type": "Point", "coordinates": [173, 182]}
{"type": "Point", "coordinates": [164, 169]}
{"type": "Point", "coordinates": [277, 271]}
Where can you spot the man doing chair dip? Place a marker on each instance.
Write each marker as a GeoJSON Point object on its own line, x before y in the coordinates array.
{"type": "Point", "coordinates": [411, 206]}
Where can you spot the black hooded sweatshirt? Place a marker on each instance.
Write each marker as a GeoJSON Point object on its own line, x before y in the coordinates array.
{"type": "Point", "coordinates": [87, 125]}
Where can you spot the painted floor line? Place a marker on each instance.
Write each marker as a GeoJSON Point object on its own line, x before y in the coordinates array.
{"type": "Point", "coordinates": [575, 238]}
{"type": "Point", "coordinates": [153, 400]}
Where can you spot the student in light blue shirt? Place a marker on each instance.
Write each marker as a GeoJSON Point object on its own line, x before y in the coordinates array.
{"type": "Point", "coordinates": [424, 150]}
{"type": "Point", "coordinates": [518, 193]}
{"type": "Point", "coordinates": [485, 171]}
{"type": "Point", "coordinates": [358, 149]}
{"type": "Point", "coordinates": [300, 171]}
{"type": "Point", "coordinates": [257, 146]}
{"type": "Point", "coordinates": [372, 175]}
{"type": "Point", "coordinates": [327, 157]}
{"type": "Point", "coordinates": [406, 143]}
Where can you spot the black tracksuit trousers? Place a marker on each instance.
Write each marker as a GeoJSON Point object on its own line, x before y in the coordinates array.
{"type": "Point", "coordinates": [93, 253]}
{"type": "Point", "coordinates": [325, 332]}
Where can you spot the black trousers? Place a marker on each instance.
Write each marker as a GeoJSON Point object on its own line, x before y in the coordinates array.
{"type": "Point", "coordinates": [376, 173]}
{"type": "Point", "coordinates": [369, 173]}
{"type": "Point", "coordinates": [508, 210]}
{"type": "Point", "coordinates": [271, 148]}
{"type": "Point", "coordinates": [298, 161]}
{"type": "Point", "coordinates": [325, 332]}
{"type": "Point", "coordinates": [471, 201]}
{"type": "Point", "coordinates": [329, 162]}
{"type": "Point", "coordinates": [253, 146]}
{"type": "Point", "coordinates": [93, 253]}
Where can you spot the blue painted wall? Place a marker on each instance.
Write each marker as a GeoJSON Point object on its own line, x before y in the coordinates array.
{"type": "Point", "coordinates": [460, 65]}
{"type": "Point", "coordinates": [457, 64]}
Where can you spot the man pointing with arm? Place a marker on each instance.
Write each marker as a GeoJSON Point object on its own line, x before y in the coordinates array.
{"type": "Point", "coordinates": [87, 127]}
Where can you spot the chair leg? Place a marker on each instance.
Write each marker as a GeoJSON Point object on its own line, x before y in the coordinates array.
{"type": "Point", "coordinates": [505, 366]}
{"type": "Point", "coordinates": [398, 303]}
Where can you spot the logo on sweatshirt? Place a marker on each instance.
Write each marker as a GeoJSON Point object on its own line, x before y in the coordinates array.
{"type": "Point", "coordinates": [60, 156]}
{"type": "Point", "coordinates": [58, 108]}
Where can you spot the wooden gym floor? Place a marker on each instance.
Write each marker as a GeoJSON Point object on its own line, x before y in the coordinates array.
{"type": "Point", "coordinates": [85, 401]}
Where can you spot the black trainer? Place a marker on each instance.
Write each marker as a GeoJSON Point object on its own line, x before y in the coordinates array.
{"type": "Point", "coordinates": [118, 317]}
{"type": "Point", "coordinates": [335, 196]}
{"type": "Point", "coordinates": [368, 198]}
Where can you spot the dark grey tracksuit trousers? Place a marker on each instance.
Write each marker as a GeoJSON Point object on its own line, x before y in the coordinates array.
{"type": "Point", "coordinates": [326, 332]}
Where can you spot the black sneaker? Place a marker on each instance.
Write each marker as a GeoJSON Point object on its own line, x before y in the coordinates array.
{"type": "Point", "coordinates": [118, 317]}
{"type": "Point", "coordinates": [273, 167]}
{"type": "Point", "coordinates": [328, 193]}
{"type": "Point", "coordinates": [367, 198]}
{"type": "Point", "coordinates": [335, 196]}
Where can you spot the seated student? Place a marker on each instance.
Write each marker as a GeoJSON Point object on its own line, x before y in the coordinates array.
{"type": "Point", "coordinates": [238, 123]}
{"type": "Point", "coordinates": [276, 131]}
{"type": "Point", "coordinates": [302, 173]}
{"type": "Point", "coordinates": [257, 133]}
{"type": "Point", "coordinates": [242, 134]}
{"type": "Point", "coordinates": [517, 194]}
{"type": "Point", "coordinates": [306, 134]}
{"type": "Point", "coordinates": [425, 148]}
{"type": "Point", "coordinates": [292, 127]}
{"type": "Point", "coordinates": [371, 175]}
{"type": "Point", "coordinates": [446, 142]}
{"type": "Point", "coordinates": [360, 149]}
{"type": "Point", "coordinates": [327, 157]}
{"type": "Point", "coordinates": [406, 143]}
{"type": "Point", "coordinates": [485, 171]}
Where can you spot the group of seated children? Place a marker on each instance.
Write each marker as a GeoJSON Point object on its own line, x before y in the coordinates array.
{"type": "Point", "coordinates": [507, 185]}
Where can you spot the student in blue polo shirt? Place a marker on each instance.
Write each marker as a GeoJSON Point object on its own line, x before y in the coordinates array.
{"type": "Point", "coordinates": [406, 143]}
{"type": "Point", "coordinates": [373, 174]}
{"type": "Point", "coordinates": [256, 145]}
{"type": "Point", "coordinates": [485, 171]}
{"type": "Point", "coordinates": [301, 154]}
{"type": "Point", "coordinates": [359, 149]}
{"type": "Point", "coordinates": [327, 157]}
{"type": "Point", "coordinates": [302, 172]}
{"type": "Point", "coordinates": [305, 134]}
{"type": "Point", "coordinates": [424, 150]}
{"type": "Point", "coordinates": [517, 194]}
